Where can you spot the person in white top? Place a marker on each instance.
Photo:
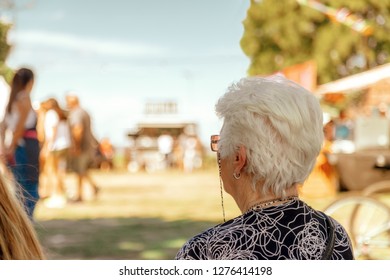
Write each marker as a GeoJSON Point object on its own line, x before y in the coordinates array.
{"type": "Point", "coordinates": [21, 149]}
{"type": "Point", "coordinates": [55, 149]}
{"type": "Point", "coordinates": [165, 147]}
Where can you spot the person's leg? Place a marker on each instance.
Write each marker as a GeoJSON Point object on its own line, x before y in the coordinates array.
{"type": "Point", "coordinates": [58, 195]}
{"type": "Point", "coordinates": [44, 183]}
{"type": "Point", "coordinates": [25, 179]}
{"type": "Point", "coordinates": [77, 168]}
{"type": "Point", "coordinates": [79, 196]}
{"type": "Point", "coordinates": [81, 170]}
{"type": "Point", "coordinates": [32, 173]}
{"type": "Point", "coordinates": [95, 188]}
{"type": "Point", "coordinates": [31, 197]}
{"type": "Point", "coordinates": [88, 161]}
{"type": "Point", "coordinates": [51, 179]}
{"type": "Point", "coordinates": [59, 172]}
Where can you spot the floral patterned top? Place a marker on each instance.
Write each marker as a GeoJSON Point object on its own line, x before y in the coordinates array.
{"type": "Point", "coordinates": [291, 231]}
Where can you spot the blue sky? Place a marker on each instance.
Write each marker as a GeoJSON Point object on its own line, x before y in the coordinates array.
{"type": "Point", "coordinates": [118, 55]}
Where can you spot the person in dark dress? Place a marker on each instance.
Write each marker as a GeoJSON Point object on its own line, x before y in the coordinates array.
{"type": "Point", "coordinates": [271, 136]}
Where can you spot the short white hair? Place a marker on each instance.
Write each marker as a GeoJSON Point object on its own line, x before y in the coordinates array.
{"type": "Point", "coordinates": [280, 125]}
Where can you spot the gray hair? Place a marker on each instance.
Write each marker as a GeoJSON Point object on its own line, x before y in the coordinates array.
{"type": "Point", "coordinates": [279, 123]}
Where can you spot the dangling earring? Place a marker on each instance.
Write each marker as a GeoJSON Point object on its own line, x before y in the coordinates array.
{"type": "Point", "coordinates": [236, 176]}
{"type": "Point", "coordinates": [220, 185]}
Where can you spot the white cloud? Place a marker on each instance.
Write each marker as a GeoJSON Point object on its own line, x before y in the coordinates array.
{"type": "Point", "coordinates": [47, 39]}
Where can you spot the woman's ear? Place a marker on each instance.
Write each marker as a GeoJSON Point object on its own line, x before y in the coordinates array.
{"type": "Point", "coordinates": [240, 159]}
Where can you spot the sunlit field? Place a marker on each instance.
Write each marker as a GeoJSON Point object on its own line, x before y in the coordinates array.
{"type": "Point", "coordinates": [139, 216]}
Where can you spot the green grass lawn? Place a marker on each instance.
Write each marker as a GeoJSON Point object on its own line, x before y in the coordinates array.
{"type": "Point", "coordinates": [117, 238]}
{"type": "Point", "coordinates": [137, 216]}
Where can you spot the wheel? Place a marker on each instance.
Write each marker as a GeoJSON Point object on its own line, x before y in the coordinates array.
{"type": "Point", "coordinates": [367, 222]}
{"type": "Point", "coordinates": [378, 187]}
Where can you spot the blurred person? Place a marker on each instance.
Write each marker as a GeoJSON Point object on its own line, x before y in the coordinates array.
{"type": "Point", "coordinates": [178, 152]}
{"type": "Point", "coordinates": [55, 149]}
{"type": "Point", "coordinates": [22, 147]}
{"type": "Point", "coordinates": [323, 181]}
{"type": "Point", "coordinates": [84, 144]}
{"type": "Point", "coordinates": [383, 110]}
{"type": "Point", "coordinates": [344, 126]}
{"type": "Point", "coordinates": [18, 239]}
{"type": "Point", "coordinates": [326, 152]}
{"type": "Point", "coordinates": [192, 149]}
{"type": "Point", "coordinates": [43, 188]}
{"type": "Point", "coordinates": [269, 141]}
{"type": "Point", "coordinates": [107, 151]}
{"type": "Point", "coordinates": [165, 147]}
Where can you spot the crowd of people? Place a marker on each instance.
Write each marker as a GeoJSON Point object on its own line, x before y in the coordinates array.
{"type": "Point", "coordinates": [38, 146]}
{"type": "Point", "coordinates": [183, 152]}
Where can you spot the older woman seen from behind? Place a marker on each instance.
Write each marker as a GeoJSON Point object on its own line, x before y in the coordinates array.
{"type": "Point", "coordinates": [270, 139]}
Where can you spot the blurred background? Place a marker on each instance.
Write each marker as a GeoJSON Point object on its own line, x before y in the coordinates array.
{"type": "Point", "coordinates": [118, 56]}
{"type": "Point", "coordinates": [149, 74]}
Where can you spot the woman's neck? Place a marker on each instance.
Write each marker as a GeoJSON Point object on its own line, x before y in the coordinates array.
{"type": "Point", "coordinates": [247, 198]}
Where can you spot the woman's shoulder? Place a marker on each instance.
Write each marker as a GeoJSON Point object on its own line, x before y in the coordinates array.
{"type": "Point", "coordinates": [204, 236]}
{"type": "Point", "coordinates": [343, 244]}
{"type": "Point", "coordinates": [199, 246]}
{"type": "Point", "coordinates": [193, 249]}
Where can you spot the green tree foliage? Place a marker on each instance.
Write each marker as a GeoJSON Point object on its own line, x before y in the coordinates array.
{"type": "Point", "coordinates": [4, 51]}
{"type": "Point", "coordinates": [281, 33]}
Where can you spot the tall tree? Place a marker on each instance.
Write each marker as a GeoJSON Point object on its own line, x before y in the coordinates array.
{"type": "Point", "coordinates": [282, 33]}
{"type": "Point", "coordinates": [4, 51]}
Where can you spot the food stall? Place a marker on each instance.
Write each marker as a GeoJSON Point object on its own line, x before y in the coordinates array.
{"type": "Point", "coordinates": [163, 139]}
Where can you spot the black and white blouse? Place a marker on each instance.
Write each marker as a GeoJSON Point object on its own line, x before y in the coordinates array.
{"type": "Point", "coordinates": [292, 231]}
